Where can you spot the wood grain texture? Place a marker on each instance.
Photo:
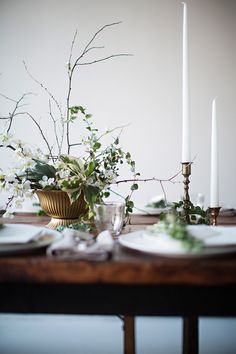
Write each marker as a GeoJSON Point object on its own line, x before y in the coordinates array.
{"type": "Point", "coordinates": [125, 267]}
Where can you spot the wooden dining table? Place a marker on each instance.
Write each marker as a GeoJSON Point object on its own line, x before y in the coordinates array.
{"type": "Point", "coordinates": [129, 284]}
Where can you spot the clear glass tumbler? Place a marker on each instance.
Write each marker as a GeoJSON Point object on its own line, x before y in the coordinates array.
{"type": "Point", "coordinates": [110, 216]}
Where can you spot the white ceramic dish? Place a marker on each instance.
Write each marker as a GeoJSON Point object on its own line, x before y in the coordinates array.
{"type": "Point", "coordinates": [21, 238]}
{"type": "Point", "coordinates": [218, 241]}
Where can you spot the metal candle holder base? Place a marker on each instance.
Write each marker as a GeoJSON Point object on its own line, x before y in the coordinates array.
{"type": "Point", "coordinates": [186, 172]}
{"type": "Point", "coordinates": [214, 213]}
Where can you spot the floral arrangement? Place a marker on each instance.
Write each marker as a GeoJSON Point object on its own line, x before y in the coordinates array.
{"type": "Point", "coordinates": [93, 169]}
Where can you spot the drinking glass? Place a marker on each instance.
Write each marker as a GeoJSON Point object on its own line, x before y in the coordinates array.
{"type": "Point", "coordinates": [110, 216]}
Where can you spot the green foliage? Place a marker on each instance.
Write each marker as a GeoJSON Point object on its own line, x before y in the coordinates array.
{"type": "Point", "coordinates": [91, 195]}
{"type": "Point", "coordinates": [159, 204]}
{"type": "Point", "coordinates": [174, 226]}
{"type": "Point", "coordinates": [96, 166]}
{"type": "Point", "coordinates": [134, 187]}
{"type": "Point", "coordinates": [174, 223]}
{"type": "Point", "coordinates": [79, 226]}
{"type": "Point", "coordinates": [197, 214]}
{"type": "Point", "coordinates": [129, 206]}
{"type": "Point", "coordinates": [41, 213]}
{"type": "Point", "coordinates": [39, 170]}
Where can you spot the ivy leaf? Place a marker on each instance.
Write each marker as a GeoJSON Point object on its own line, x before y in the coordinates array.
{"type": "Point", "coordinates": [81, 109]}
{"type": "Point", "coordinates": [40, 169]}
{"type": "Point", "coordinates": [106, 194]}
{"type": "Point", "coordinates": [134, 187]}
{"type": "Point", "coordinates": [75, 165]}
{"type": "Point", "coordinates": [96, 146]}
{"type": "Point", "coordinates": [91, 194]}
{"type": "Point", "coordinates": [90, 168]}
{"type": "Point", "coordinates": [73, 196]}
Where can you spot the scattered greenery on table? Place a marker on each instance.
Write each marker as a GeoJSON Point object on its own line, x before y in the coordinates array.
{"type": "Point", "coordinates": [174, 223]}
{"type": "Point", "coordinates": [79, 226]}
{"type": "Point", "coordinates": [176, 228]}
{"type": "Point", "coordinates": [1, 226]}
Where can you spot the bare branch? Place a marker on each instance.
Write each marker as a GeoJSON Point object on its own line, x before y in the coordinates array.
{"type": "Point", "coordinates": [164, 192]}
{"type": "Point", "coordinates": [71, 69]}
{"type": "Point", "coordinates": [72, 46]}
{"type": "Point", "coordinates": [75, 144]}
{"type": "Point", "coordinates": [149, 179]}
{"type": "Point", "coordinates": [40, 130]}
{"type": "Point", "coordinates": [9, 146]}
{"type": "Point", "coordinates": [92, 48]}
{"type": "Point", "coordinates": [44, 88]}
{"type": "Point", "coordinates": [100, 30]}
{"type": "Point", "coordinates": [14, 112]}
{"type": "Point", "coordinates": [8, 98]}
{"type": "Point", "coordinates": [103, 59]}
{"type": "Point", "coordinates": [121, 127]}
{"type": "Point", "coordinates": [54, 127]}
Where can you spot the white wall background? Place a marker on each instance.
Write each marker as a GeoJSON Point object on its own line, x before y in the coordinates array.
{"type": "Point", "coordinates": [143, 90]}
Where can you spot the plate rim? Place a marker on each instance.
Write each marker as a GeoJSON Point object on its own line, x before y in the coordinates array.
{"type": "Point", "coordinates": [14, 248]}
{"type": "Point", "coordinates": [207, 252]}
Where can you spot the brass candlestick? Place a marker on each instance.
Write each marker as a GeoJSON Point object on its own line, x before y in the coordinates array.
{"type": "Point", "coordinates": [186, 172]}
{"type": "Point", "coordinates": [214, 213]}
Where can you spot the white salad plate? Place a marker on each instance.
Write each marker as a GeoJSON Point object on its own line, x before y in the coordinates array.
{"type": "Point", "coordinates": [21, 238]}
{"type": "Point", "coordinates": [217, 240]}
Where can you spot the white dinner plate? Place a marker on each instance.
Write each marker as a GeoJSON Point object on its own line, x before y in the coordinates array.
{"type": "Point", "coordinates": [21, 238]}
{"type": "Point", "coordinates": [220, 240]}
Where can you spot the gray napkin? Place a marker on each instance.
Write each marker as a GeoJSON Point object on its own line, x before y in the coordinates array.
{"type": "Point", "coordinates": [80, 245]}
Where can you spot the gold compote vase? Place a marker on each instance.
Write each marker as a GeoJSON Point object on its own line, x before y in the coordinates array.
{"type": "Point", "coordinates": [57, 205]}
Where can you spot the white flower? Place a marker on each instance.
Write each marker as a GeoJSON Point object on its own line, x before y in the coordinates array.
{"type": "Point", "coordinates": [47, 181]}
{"type": "Point", "coordinates": [110, 176]}
{"type": "Point", "coordinates": [6, 139]}
{"type": "Point", "coordinates": [63, 174]}
{"type": "Point", "coordinates": [98, 184]}
{"type": "Point", "coordinates": [10, 177]}
{"type": "Point", "coordinates": [26, 185]}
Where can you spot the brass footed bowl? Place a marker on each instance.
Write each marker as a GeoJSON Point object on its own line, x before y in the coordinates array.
{"type": "Point", "coordinates": [57, 205]}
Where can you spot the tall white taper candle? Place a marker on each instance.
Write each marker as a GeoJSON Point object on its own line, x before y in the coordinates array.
{"type": "Point", "coordinates": [186, 151]}
{"type": "Point", "coordinates": [214, 194]}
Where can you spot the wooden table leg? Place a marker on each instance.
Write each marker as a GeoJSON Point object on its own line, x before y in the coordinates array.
{"type": "Point", "coordinates": [129, 335]}
{"type": "Point", "coordinates": [190, 335]}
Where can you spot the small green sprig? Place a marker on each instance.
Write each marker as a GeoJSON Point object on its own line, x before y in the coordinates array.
{"type": "Point", "coordinates": [176, 228]}
{"type": "Point", "coordinates": [79, 226]}
{"type": "Point", "coordinates": [197, 215]}
{"type": "Point", "coordinates": [159, 204]}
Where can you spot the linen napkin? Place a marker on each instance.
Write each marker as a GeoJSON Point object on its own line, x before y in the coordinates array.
{"type": "Point", "coordinates": [76, 245]}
